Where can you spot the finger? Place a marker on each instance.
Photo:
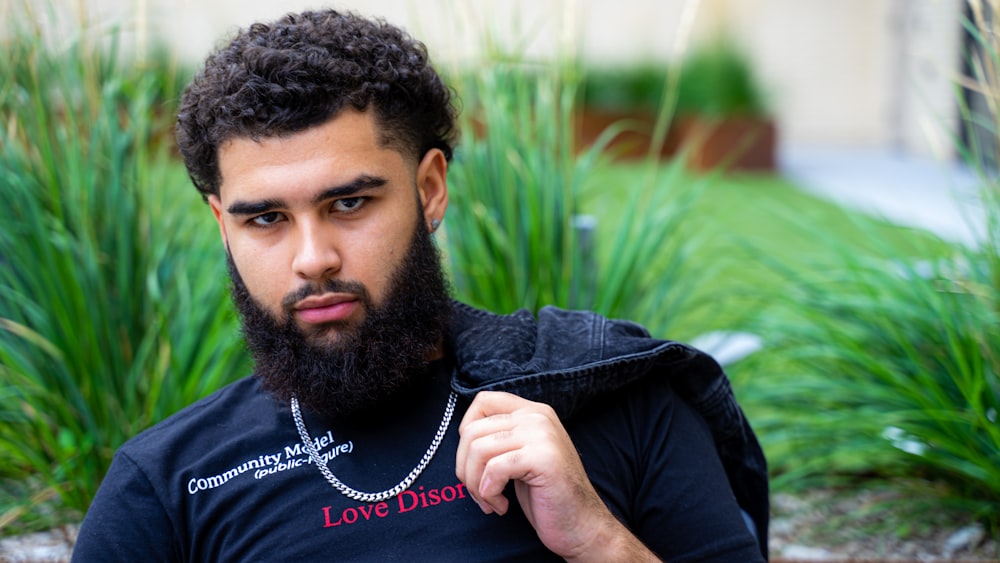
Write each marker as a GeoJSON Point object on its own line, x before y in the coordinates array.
{"type": "Point", "coordinates": [504, 448]}
{"type": "Point", "coordinates": [497, 472]}
{"type": "Point", "coordinates": [490, 403]}
{"type": "Point", "coordinates": [491, 493]}
{"type": "Point", "coordinates": [486, 404]}
{"type": "Point", "coordinates": [488, 431]}
{"type": "Point", "coordinates": [523, 459]}
{"type": "Point", "coordinates": [481, 441]}
{"type": "Point", "coordinates": [489, 449]}
{"type": "Point", "coordinates": [484, 433]}
{"type": "Point", "coordinates": [496, 407]}
{"type": "Point", "coordinates": [472, 430]}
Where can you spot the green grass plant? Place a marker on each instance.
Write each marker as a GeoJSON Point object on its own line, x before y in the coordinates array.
{"type": "Point", "coordinates": [517, 233]}
{"type": "Point", "coordinates": [113, 306]}
{"type": "Point", "coordinates": [884, 366]}
{"type": "Point", "coordinates": [740, 224]}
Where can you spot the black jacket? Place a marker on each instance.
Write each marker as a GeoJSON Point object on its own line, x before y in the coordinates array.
{"type": "Point", "coordinates": [567, 358]}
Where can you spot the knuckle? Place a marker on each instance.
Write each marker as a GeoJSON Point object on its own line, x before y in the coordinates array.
{"type": "Point", "coordinates": [502, 435]}
{"type": "Point", "coordinates": [546, 410]}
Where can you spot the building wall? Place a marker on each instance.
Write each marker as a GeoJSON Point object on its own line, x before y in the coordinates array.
{"type": "Point", "coordinates": [849, 72]}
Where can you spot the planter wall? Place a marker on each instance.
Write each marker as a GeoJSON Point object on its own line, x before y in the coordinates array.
{"type": "Point", "coordinates": [628, 145]}
{"type": "Point", "coordinates": [733, 143]}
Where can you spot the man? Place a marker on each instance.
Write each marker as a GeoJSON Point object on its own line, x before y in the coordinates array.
{"type": "Point", "coordinates": [384, 420]}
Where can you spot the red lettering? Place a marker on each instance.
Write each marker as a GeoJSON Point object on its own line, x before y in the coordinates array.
{"type": "Point", "coordinates": [410, 500]}
{"type": "Point", "coordinates": [366, 513]}
{"type": "Point", "coordinates": [326, 516]}
{"type": "Point", "coordinates": [350, 515]}
{"type": "Point", "coordinates": [448, 492]}
{"type": "Point", "coordinates": [402, 501]}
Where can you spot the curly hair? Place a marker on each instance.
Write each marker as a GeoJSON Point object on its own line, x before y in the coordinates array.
{"type": "Point", "coordinates": [301, 71]}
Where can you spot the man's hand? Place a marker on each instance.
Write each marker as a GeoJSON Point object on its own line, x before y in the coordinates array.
{"type": "Point", "coordinates": [504, 438]}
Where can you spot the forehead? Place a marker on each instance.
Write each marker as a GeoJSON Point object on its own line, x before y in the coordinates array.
{"type": "Point", "coordinates": [343, 147]}
{"type": "Point", "coordinates": [349, 132]}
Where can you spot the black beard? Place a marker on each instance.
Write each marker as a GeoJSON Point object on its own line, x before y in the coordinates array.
{"type": "Point", "coordinates": [369, 366]}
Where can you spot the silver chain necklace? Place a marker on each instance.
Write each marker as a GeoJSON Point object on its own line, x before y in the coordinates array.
{"type": "Point", "coordinates": [384, 495]}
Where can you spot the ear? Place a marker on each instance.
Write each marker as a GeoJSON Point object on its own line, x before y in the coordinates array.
{"type": "Point", "coordinates": [216, 204]}
{"type": "Point", "coordinates": [432, 187]}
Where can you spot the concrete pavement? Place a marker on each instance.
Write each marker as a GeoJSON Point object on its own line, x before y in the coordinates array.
{"type": "Point", "coordinates": [907, 190]}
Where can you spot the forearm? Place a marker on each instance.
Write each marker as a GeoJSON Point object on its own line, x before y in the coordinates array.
{"type": "Point", "coordinates": [614, 542]}
{"type": "Point", "coordinates": [620, 545]}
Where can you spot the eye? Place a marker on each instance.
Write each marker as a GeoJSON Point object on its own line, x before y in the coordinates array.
{"type": "Point", "coordinates": [348, 204]}
{"type": "Point", "coordinates": [266, 219]}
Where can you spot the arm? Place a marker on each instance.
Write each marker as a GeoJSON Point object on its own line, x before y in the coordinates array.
{"type": "Point", "coordinates": [503, 438]}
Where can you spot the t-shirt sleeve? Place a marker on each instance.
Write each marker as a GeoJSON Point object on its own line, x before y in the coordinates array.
{"type": "Point", "coordinates": [685, 488]}
{"type": "Point", "coordinates": [652, 458]}
{"type": "Point", "coordinates": [126, 521]}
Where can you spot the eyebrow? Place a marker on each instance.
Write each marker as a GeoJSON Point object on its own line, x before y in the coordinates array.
{"type": "Point", "coordinates": [359, 184]}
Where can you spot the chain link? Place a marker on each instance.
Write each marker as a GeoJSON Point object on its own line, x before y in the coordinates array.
{"type": "Point", "coordinates": [389, 493]}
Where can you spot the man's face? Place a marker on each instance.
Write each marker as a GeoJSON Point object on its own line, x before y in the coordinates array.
{"type": "Point", "coordinates": [339, 286]}
{"type": "Point", "coordinates": [327, 203]}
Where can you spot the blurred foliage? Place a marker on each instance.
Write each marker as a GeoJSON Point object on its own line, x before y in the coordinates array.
{"type": "Point", "coordinates": [112, 310]}
{"type": "Point", "coordinates": [717, 78]}
{"type": "Point", "coordinates": [624, 87]}
{"type": "Point", "coordinates": [886, 368]}
{"type": "Point", "coordinates": [516, 235]}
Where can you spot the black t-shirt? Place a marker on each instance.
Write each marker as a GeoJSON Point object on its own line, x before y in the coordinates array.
{"type": "Point", "coordinates": [228, 479]}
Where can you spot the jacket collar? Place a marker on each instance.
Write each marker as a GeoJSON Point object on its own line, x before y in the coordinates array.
{"type": "Point", "coordinates": [563, 358]}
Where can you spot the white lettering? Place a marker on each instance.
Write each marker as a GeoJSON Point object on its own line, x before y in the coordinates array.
{"type": "Point", "coordinates": [269, 464]}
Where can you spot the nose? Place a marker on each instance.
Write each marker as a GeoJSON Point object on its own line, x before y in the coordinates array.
{"type": "Point", "coordinates": [316, 256]}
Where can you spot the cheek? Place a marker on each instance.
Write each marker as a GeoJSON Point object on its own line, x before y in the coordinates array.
{"type": "Point", "coordinates": [378, 256]}
{"type": "Point", "coordinates": [259, 273]}
{"type": "Point", "coordinates": [373, 261]}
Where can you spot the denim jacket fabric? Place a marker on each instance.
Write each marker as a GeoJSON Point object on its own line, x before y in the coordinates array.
{"type": "Point", "coordinates": [567, 358]}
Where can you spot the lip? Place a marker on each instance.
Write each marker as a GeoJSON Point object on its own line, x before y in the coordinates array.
{"type": "Point", "coordinates": [319, 309]}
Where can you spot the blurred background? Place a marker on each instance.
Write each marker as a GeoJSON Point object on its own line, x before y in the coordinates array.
{"type": "Point", "coordinates": [806, 189]}
{"type": "Point", "coordinates": [868, 73]}
{"type": "Point", "coordinates": [861, 91]}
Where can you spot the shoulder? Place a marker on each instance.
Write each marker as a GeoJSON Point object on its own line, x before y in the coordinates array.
{"type": "Point", "coordinates": [642, 407]}
{"type": "Point", "coordinates": [235, 406]}
{"type": "Point", "coordinates": [236, 423]}
{"type": "Point", "coordinates": [561, 357]}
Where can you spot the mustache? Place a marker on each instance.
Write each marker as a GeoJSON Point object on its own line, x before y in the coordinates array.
{"type": "Point", "coordinates": [329, 286]}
